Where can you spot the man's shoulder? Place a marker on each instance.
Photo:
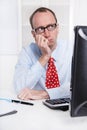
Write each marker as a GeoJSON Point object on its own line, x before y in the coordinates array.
{"type": "Point", "coordinates": [61, 42]}
{"type": "Point", "coordinates": [31, 46]}
{"type": "Point", "coordinates": [64, 47]}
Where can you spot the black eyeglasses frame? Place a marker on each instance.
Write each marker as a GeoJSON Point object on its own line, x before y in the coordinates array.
{"type": "Point", "coordinates": [36, 30]}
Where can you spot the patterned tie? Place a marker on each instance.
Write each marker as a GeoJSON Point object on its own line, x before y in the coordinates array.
{"type": "Point", "coordinates": [52, 80]}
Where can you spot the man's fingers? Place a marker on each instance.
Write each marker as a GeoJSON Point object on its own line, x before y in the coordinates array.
{"type": "Point", "coordinates": [24, 94]}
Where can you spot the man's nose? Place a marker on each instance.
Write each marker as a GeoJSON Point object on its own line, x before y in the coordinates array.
{"type": "Point", "coordinates": [46, 33]}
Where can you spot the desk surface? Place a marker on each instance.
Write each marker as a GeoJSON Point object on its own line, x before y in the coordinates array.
{"type": "Point", "coordinates": [39, 117]}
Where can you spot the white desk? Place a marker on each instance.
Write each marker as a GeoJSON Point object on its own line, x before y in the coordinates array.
{"type": "Point", "coordinates": [39, 117]}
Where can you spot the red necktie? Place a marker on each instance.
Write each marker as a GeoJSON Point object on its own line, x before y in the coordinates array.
{"type": "Point", "coordinates": [52, 80]}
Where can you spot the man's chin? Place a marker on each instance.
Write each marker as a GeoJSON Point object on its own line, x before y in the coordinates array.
{"type": "Point", "coordinates": [52, 45]}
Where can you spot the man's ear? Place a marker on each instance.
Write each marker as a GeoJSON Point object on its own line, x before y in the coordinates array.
{"type": "Point", "coordinates": [33, 33]}
{"type": "Point", "coordinates": [58, 28]}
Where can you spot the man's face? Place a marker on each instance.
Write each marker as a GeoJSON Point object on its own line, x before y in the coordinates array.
{"type": "Point", "coordinates": [45, 19]}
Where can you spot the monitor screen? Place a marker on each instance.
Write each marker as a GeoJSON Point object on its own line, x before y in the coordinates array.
{"type": "Point", "coordinates": [79, 73]}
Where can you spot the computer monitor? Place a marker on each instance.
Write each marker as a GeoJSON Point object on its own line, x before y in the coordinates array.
{"type": "Point", "coordinates": [79, 73]}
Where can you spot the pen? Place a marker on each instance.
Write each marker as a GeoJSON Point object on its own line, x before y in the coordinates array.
{"type": "Point", "coordinates": [8, 113]}
{"type": "Point", "coordinates": [17, 101]}
{"type": "Point", "coordinates": [22, 102]}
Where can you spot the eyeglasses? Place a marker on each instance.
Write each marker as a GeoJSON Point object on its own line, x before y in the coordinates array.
{"type": "Point", "coordinates": [41, 29]}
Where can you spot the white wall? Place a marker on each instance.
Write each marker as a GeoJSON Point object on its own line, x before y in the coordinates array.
{"type": "Point", "coordinates": [11, 44]}
{"type": "Point", "coordinates": [7, 66]}
{"type": "Point", "coordinates": [79, 12]}
{"type": "Point", "coordinates": [9, 41]}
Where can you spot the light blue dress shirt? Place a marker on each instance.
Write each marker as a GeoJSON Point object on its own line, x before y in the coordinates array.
{"type": "Point", "coordinates": [30, 73]}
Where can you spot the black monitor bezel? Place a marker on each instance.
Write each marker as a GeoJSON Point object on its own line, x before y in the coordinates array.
{"type": "Point", "coordinates": [78, 100]}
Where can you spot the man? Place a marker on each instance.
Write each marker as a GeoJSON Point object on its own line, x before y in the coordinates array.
{"type": "Point", "coordinates": [30, 71]}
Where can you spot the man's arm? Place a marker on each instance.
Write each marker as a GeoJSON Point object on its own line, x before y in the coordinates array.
{"type": "Point", "coordinates": [42, 43]}
{"type": "Point", "coordinates": [27, 94]}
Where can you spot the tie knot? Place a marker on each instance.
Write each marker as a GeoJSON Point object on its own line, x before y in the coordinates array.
{"type": "Point", "coordinates": [51, 60]}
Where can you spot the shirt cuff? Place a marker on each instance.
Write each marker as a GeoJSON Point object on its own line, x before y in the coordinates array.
{"type": "Point", "coordinates": [59, 92]}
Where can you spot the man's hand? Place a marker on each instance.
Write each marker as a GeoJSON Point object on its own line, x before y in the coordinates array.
{"type": "Point", "coordinates": [29, 94]}
{"type": "Point", "coordinates": [42, 43]}
{"type": "Point", "coordinates": [46, 51]}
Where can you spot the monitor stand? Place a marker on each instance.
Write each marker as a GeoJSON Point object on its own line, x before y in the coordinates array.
{"type": "Point", "coordinates": [81, 110]}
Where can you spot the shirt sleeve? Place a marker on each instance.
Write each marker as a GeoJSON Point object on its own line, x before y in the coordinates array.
{"type": "Point", "coordinates": [60, 92]}
{"type": "Point", "coordinates": [27, 74]}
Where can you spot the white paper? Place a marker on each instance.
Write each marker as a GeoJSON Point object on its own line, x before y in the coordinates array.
{"type": "Point", "coordinates": [6, 107]}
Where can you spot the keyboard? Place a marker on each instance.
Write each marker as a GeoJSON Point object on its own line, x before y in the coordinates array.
{"type": "Point", "coordinates": [62, 103]}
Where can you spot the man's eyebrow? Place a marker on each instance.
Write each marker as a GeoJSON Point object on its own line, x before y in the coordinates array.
{"type": "Point", "coordinates": [45, 26]}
